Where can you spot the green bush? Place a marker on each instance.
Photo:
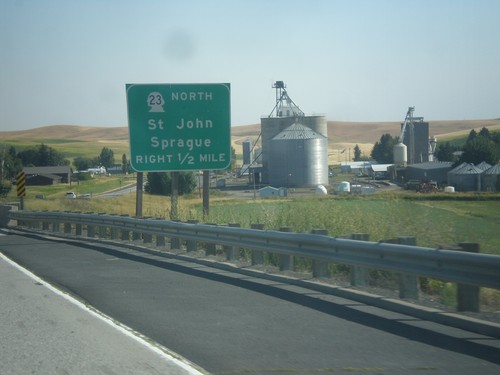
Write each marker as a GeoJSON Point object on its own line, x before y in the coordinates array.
{"type": "Point", "coordinates": [5, 188]}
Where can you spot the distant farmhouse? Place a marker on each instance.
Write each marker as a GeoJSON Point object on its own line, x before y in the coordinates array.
{"type": "Point", "coordinates": [47, 175]}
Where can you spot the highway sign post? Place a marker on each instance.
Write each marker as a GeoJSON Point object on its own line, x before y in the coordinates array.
{"type": "Point", "coordinates": [179, 127]}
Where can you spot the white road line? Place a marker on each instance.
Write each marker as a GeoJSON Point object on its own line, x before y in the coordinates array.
{"type": "Point", "coordinates": [157, 348]}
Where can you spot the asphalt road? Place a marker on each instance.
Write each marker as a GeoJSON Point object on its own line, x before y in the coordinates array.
{"type": "Point", "coordinates": [229, 323]}
{"type": "Point", "coordinates": [44, 331]}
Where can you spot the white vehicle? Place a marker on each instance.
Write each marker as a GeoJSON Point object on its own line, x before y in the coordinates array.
{"type": "Point", "coordinates": [70, 195]}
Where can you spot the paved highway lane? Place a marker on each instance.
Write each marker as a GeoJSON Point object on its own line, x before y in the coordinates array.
{"type": "Point", "coordinates": [234, 324]}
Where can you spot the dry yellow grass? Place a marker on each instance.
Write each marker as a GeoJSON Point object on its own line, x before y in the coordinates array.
{"type": "Point", "coordinates": [341, 135]}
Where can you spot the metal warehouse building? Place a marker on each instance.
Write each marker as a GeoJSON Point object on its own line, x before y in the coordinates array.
{"type": "Point", "coordinates": [435, 171]}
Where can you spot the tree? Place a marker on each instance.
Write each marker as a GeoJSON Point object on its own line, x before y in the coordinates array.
{"type": "Point", "coordinates": [42, 156]}
{"type": "Point", "coordinates": [484, 132]}
{"type": "Point", "coordinates": [160, 183]}
{"type": "Point", "coordinates": [445, 151]}
{"type": "Point", "coordinates": [480, 149]}
{"type": "Point", "coordinates": [82, 163]}
{"type": "Point", "coordinates": [232, 165]}
{"type": "Point", "coordinates": [10, 164]}
{"type": "Point", "coordinates": [125, 164]}
{"type": "Point", "coordinates": [107, 157]}
{"type": "Point", "coordinates": [472, 136]}
{"type": "Point", "coordinates": [383, 151]}
{"type": "Point", "coordinates": [357, 153]}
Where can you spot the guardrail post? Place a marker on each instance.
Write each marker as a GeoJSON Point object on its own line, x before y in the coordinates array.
{"type": "Point", "coordinates": [359, 274]}
{"type": "Point", "coordinates": [45, 225]}
{"type": "Point", "coordinates": [211, 248]}
{"type": "Point", "coordinates": [160, 240]}
{"type": "Point", "coordinates": [468, 295]}
{"type": "Point", "coordinates": [35, 224]}
{"type": "Point", "coordinates": [191, 245]}
{"type": "Point", "coordinates": [147, 238]}
{"type": "Point", "coordinates": [90, 231]}
{"type": "Point", "coordinates": [78, 229]}
{"type": "Point", "coordinates": [136, 236]}
{"type": "Point", "coordinates": [408, 284]}
{"type": "Point", "coordinates": [286, 261]}
{"type": "Point", "coordinates": [67, 228]}
{"type": "Point", "coordinates": [175, 242]}
{"type": "Point", "coordinates": [114, 233]}
{"type": "Point", "coordinates": [232, 252]}
{"type": "Point", "coordinates": [125, 235]}
{"type": "Point", "coordinates": [103, 231]}
{"type": "Point", "coordinates": [257, 255]}
{"type": "Point", "coordinates": [320, 267]}
{"type": "Point", "coordinates": [56, 226]}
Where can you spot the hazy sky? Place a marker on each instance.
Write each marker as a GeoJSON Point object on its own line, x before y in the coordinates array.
{"type": "Point", "coordinates": [67, 61]}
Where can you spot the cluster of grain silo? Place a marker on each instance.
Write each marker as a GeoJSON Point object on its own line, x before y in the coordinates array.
{"type": "Point", "coordinates": [294, 146]}
{"type": "Point", "coordinates": [470, 177]}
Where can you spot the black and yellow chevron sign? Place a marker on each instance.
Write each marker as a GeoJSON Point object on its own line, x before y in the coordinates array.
{"type": "Point", "coordinates": [21, 184]}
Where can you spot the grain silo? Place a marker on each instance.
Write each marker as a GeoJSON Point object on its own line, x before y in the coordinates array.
{"type": "Point", "coordinates": [298, 158]}
{"type": "Point", "coordinates": [247, 152]}
{"type": "Point", "coordinates": [454, 172]}
{"type": "Point", "coordinates": [315, 157]}
{"type": "Point", "coordinates": [483, 166]}
{"type": "Point", "coordinates": [414, 135]}
{"type": "Point", "coordinates": [466, 178]}
{"type": "Point", "coordinates": [491, 178]}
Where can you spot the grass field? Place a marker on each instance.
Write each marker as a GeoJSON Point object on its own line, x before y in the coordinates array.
{"type": "Point", "coordinates": [432, 221]}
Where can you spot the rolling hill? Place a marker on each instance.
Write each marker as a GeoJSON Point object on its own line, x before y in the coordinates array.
{"type": "Point", "coordinates": [76, 140]}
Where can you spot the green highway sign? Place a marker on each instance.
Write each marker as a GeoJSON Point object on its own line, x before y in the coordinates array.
{"type": "Point", "coordinates": [179, 127]}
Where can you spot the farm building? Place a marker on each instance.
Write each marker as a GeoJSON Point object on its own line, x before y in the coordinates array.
{"type": "Point", "coordinates": [435, 171]}
{"type": "Point", "coordinates": [379, 171]}
{"type": "Point", "coordinates": [270, 191]}
{"type": "Point", "coordinates": [47, 175]}
{"type": "Point", "coordinates": [355, 166]}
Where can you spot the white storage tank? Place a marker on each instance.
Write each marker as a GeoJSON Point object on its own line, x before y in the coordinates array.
{"type": "Point", "coordinates": [344, 187]}
{"type": "Point", "coordinates": [400, 154]}
{"type": "Point", "coordinates": [321, 190]}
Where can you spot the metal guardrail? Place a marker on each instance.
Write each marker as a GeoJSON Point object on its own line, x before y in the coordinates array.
{"type": "Point", "coordinates": [449, 265]}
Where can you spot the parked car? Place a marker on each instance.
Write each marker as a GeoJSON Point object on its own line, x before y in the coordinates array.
{"type": "Point", "coordinates": [70, 195]}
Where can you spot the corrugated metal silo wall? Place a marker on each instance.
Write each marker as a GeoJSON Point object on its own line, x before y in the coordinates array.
{"type": "Point", "coordinates": [489, 182]}
{"type": "Point", "coordinates": [299, 162]}
{"type": "Point", "coordinates": [271, 126]}
{"type": "Point", "coordinates": [467, 182]}
{"type": "Point", "coordinates": [247, 152]}
{"type": "Point", "coordinates": [421, 144]}
{"type": "Point", "coordinates": [317, 123]}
